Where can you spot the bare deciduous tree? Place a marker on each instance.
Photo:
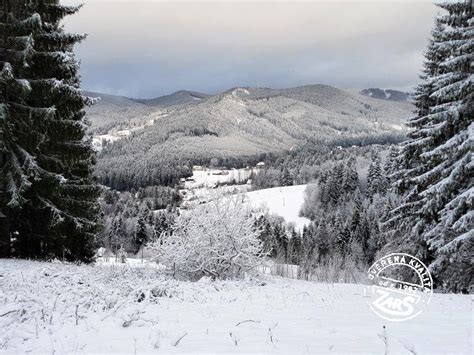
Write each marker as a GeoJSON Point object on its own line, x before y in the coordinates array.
{"type": "Point", "coordinates": [217, 239]}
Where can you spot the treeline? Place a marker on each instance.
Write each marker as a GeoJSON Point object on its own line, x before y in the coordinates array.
{"type": "Point", "coordinates": [124, 173]}
{"type": "Point", "coordinates": [346, 212]}
{"type": "Point", "coordinates": [131, 219]}
{"type": "Point", "coordinates": [123, 178]}
{"type": "Point", "coordinates": [305, 164]}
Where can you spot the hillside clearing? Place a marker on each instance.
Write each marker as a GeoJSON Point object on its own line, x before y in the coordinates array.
{"type": "Point", "coordinates": [283, 201]}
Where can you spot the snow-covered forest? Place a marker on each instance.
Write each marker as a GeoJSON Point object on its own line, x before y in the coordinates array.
{"type": "Point", "coordinates": [244, 221]}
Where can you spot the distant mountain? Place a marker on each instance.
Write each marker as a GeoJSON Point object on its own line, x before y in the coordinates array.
{"type": "Point", "coordinates": [386, 94]}
{"type": "Point", "coordinates": [112, 112]}
{"type": "Point", "coordinates": [243, 122]}
{"type": "Point", "coordinates": [110, 102]}
{"type": "Point", "coordinates": [182, 97]}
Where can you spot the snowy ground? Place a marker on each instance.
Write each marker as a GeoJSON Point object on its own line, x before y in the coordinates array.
{"type": "Point", "coordinates": [113, 136]}
{"type": "Point", "coordinates": [64, 308]}
{"type": "Point", "coordinates": [198, 195]}
{"type": "Point", "coordinates": [211, 177]}
{"type": "Point", "coordinates": [283, 201]}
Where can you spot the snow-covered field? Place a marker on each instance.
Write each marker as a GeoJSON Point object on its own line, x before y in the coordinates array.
{"type": "Point", "coordinates": [65, 308]}
{"type": "Point", "coordinates": [211, 177]}
{"type": "Point", "coordinates": [198, 195]}
{"type": "Point", "coordinates": [283, 201]}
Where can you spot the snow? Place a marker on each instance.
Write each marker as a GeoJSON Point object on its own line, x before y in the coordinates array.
{"type": "Point", "coordinates": [397, 127]}
{"type": "Point", "coordinates": [113, 136]}
{"type": "Point", "coordinates": [196, 196]}
{"type": "Point", "coordinates": [211, 177]}
{"type": "Point", "coordinates": [283, 201]}
{"type": "Point", "coordinates": [110, 137]}
{"type": "Point", "coordinates": [66, 308]}
{"type": "Point", "coordinates": [240, 91]}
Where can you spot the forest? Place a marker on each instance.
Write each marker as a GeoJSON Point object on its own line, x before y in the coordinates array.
{"type": "Point", "coordinates": [370, 189]}
{"type": "Point", "coordinates": [310, 219]}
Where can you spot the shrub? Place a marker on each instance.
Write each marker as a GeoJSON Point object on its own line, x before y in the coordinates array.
{"type": "Point", "coordinates": [217, 239]}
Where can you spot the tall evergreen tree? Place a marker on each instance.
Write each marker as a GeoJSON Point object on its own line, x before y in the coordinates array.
{"type": "Point", "coordinates": [356, 213]}
{"type": "Point", "coordinates": [390, 168]}
{"type": "Point", "coordinates": [333, 188]}
{"type": "Point", "coordinates": [286, 179]}
{"type": "Point", "coordinates": [342, 234]}
{"type": "Point", "coordinates": [437, 167]}
{"type": "Point", "coordinates": [52, 197]}
{"type": "Point", "coordinates": [294, 247]}
{"type": "Point", "coordinates": [18, 133]}
{"type": "Point", "coordinates": [351, 178]}
{"type": "Point", "coordinates": [376, 181]}
{"type": "Point", "coordinates": [141, 234]}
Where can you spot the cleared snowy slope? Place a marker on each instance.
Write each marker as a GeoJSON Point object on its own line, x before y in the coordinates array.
{"type": "Point", "coordinates": [283, 201]}
{"type": "Point", "coordinates": [57, 308]}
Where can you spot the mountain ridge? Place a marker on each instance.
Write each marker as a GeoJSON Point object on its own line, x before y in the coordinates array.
{"type": "Point", "coordinates": [180, 97]}
{"type": "Point", "coordinates": [242, 122]}
{"type": "Point", "coordinates": [386, 94]}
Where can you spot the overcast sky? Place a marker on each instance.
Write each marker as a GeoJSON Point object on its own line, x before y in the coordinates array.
{"type": "Point", "coordinates": [151, 48]}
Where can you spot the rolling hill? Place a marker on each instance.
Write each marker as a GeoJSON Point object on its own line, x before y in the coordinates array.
{"type": "Point", "coordinates": [182, 97]}
{"type": "Point", "coordinates": [113, 113]}
{"type": "Point", "coordinates": [386, 94]}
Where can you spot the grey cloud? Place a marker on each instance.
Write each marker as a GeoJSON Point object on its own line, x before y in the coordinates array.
{"type": "Point", "coordinates": [146, 49]}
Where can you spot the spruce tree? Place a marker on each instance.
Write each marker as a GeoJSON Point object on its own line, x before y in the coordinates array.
{"type": "Point", "coordinates": [351, 178]}
{"type": "Point", "coordinates": [294, 248]}
{"type": "Point", "coordinates": [390, 168]}
{"type": "Point", "coordinates": [334, 184]}
{"type": "Point", "coordinates": [323, 242]}
{"type": "Point", "coordinates": [286, 179]}
{"type": "Point", "coordinates": [356, 213]}
{"type": "Point", "coordinates": [376, 181]}
{"type": "Point", "coordinates": [141, 234]}
{"type": "Point", "coordinates": [20, 132]}
{"type": "Point", "coordinates": [437, 167]}
{"type": "Point", "coordinates": [52, 195]}
{"type": "Point", "coordinates": [342, 232]}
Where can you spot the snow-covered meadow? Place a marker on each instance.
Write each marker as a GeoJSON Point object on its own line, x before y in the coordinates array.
{"type": "Point", "coordinates": [66, 308]}
{"type": "Point", "coordinates": [206, 177]}
{"type": "Point", "coordinates": [285, 201]}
